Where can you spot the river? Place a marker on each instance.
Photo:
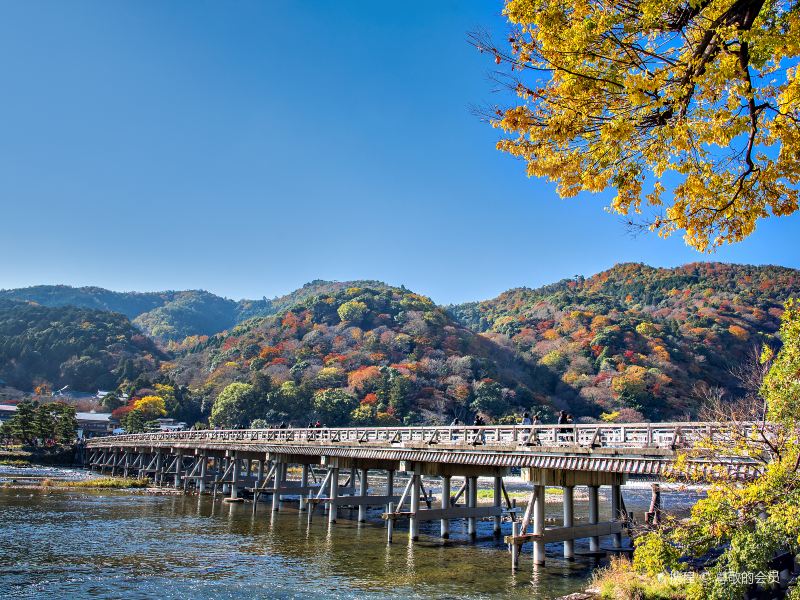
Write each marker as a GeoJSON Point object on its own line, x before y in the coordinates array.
{"type": "Point", "coordinates": [61, 543]}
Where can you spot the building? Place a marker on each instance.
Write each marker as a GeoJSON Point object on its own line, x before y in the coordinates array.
{"type": "Point", "coordinates": [167, 424]}
{"type": "Point", "coordinates": [92, 424]}
{"type": "Point", "coordinates": [6, 412]}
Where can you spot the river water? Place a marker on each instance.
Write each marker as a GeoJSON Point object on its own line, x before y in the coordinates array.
{"type": "Point", "coordinates": [60, 543]}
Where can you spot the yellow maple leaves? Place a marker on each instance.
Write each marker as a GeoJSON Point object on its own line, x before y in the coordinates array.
{"type": "Point", "coordinates": [697, 101]}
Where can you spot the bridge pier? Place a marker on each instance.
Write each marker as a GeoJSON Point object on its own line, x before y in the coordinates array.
{"type": "Point", "coordinates": [225, 466]}
{"type": "Point", "coordinates": [413, 528]}
{"type": "Point", "coordinates": [362, 492]}
{"type": "Point", "coordinates": [259, 473]}
{"type": "Point", "coordinates": [234, 487]}
{"type": "Point", "coordinates": [178, 469]}
{"type": "Point", "coordinates": [445, 523]}
{"type": "Point", "coordinates": [616, 515]}
{"type": "Point", "coordinates": [303, 484]}
{"type": "Point", "coordinates": [472, 502]}
{"type": "Point", "coordinates": [569, 532]}
{"type": "Point", "coordinates": [389, 487]}
{"type": "Point", "coordinates": [569, 506]}
{"type": "Point", "coordinates": [279, 482]}
{"type": "Point", "coordinates": [334, 494]}
{"type": "Point", "coordinates": [159, 474]}
{"type": "Point", "coordinates": [497, 501]}
{"type": "Point", "coordinates": [201, 482]}
{"type": "Point", "coordinates": [538, 523]}
{"type": "Point", "coordinates": [594, 516]}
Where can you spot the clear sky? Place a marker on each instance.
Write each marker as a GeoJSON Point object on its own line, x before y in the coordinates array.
{"type": "Point", "coordinates": [249, 147]}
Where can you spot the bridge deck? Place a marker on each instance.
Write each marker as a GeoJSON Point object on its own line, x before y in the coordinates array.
{"type": "Point", "coordinates": [632, 448]}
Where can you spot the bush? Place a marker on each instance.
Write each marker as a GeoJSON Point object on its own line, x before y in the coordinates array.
{"type": "Point", "coordinates": [654, 555]}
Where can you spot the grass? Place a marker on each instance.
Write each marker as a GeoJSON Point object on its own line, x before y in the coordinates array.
{"type": "Point", "coordinates": [618, 581]}
{"type": "Point", "coordinates": [100, 483]}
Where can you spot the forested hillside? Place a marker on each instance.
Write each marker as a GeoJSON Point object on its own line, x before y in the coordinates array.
{"type": "Point", "coordinates": [164, 316]}
{"type": "Point", "coordinates": [633, 341]}
{"type": "Point", "coordinates": [172, 316]}
{"type": "Point", "coordinates": [50, 347]}
{"type": "Point", "coordinates": [640, 338]}
{"type": "Point", "coordinates": [367, 354]}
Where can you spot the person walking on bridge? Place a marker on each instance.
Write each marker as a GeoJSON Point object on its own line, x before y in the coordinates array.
{"type": "Point", "coordinates": [479, 436]}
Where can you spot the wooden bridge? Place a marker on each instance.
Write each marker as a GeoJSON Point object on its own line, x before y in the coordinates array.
{"type": "Point", "coordinates": [257, 461]}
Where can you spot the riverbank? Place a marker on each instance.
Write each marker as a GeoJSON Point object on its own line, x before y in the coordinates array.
{"type": "Point", "coordinates": [19, 456]}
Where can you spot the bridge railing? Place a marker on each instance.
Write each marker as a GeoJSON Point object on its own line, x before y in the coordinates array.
{"type": "Point", "coordinates": [623, 435]}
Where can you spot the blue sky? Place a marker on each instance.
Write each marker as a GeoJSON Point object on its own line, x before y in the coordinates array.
{"type": "Point", "coordinates": [249, 147]}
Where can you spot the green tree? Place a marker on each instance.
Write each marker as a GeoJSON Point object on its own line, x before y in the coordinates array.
{"type": "Point", "coordinates": [233, 407]}
{"type": "Point", "coordinates": [490, 398]}
{"type": "Point", "coordinates": [66, 424]}
{"type": "Point", "coordinates": [352, 311]}
{"type": "Point", "coordinates": [334, 406]}
{"type": "Point", "coordinates": [22, 426]}
{"type": "Point", "coordinates": [754, 521]}
{"type": "Point", "coordinates": [401, 391]}
{"type": "Point", "coordinates": [111, 402]}
{"type": "Point", "coordinates": [44, 422]}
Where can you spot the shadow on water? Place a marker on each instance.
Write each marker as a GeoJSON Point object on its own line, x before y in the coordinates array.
{"type": "Point", "coordinates": [70, 544]}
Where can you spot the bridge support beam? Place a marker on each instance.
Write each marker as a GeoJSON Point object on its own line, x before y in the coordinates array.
{"type": "Point", "coordinates": [225, 464]}
{"type": "Point", "coordinates": [445, 523]}
{"type": "Point", "coordinates": [178, 469]}
{"type": "Point", "coordinates": [159, 474]}
{"type": "Point", "coordinates": [362, 491]}
{"type": "Point", "coordinates": [303, 484]}
{"type": "Point", "coordinates": [334, 494]}
{"type": "Point", "coordinates": [569, 520]}
{"type": "Point", "coordinates": [413, 529]}
{"type": "Point", "coordinates": [616, 512]}
{"type": "Point", "coordinates": [538, 524]}
{"type": "Point", "coordinates": [497, 499]}
{"type": "Point", "coordinates": [472, 502]}
{"type": "Point", "coordinates": [201, 482]}
{"type": "Point", "coordinates": [594, 516]}
{"type": "Point", "coordinates": [234, 487]}
{"type": "Point", "coordinates": [280, 469]}
{"type": "Point", "coordinates": [259, 473]}
{"type": "Point", "coordinates": [389, 486]}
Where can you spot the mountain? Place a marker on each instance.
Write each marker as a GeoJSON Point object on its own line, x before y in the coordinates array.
{"type": "Point", "coordinates": [634, 341]}
{"type": "Point", "coordinates": [86, 349]}
{"type": "Point", "coordinates": [391, 354]}
{"type": "Point", "coordinates": [637, 337]}
{"type": "Point", "coordinates": [165, 316]}
{"type": "Point", "coordinates": [172, 316]}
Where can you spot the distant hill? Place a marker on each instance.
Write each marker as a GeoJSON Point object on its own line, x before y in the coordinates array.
{"type": "Point", "coordinates": [85, 349]}
{"type": "Point", "coordinates": [639, 337]}
{"type": "Point", "coordinates": [173, 315]}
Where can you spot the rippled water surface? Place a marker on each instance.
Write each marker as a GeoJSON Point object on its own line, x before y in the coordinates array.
{"type": "Point", "coordinates": [78, 544]}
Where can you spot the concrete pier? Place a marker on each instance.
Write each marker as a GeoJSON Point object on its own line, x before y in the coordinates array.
{"type": "Point", "coordinates": [594, 516]}
{"type": "Point", "coordinates": [445, 523]}
{"type": "Point", "coordinates": [569, 521]}
{"type": "Point", "coordinates": [362, 492]}
{"type": "Point", "coordinates": [334, 494]}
